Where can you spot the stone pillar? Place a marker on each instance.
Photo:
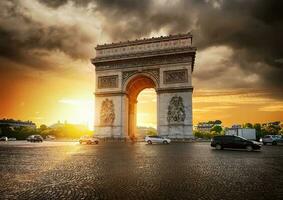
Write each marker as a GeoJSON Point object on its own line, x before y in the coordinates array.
{"type": "Point", "coordinates": [175, 114]}
{"type": "Point", "coordinates": [109, 116]}
{"type": "Point", "coordinates": [132, 118]}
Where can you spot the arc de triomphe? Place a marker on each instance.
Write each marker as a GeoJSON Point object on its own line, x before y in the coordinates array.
{"type": "Point", "coordinates": [124, 69]}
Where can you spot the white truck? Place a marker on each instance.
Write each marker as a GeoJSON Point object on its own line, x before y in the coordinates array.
{"type": "Point", "coordinates": [248, 133]}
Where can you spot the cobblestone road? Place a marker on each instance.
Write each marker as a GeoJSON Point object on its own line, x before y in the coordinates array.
{"type": "Point", "coordinates": [55, 170]}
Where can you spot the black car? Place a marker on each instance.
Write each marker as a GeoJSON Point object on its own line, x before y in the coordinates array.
{"type": "Point", "coordinates": [35, 138]}
{"type": "Point", "coordinates": [235, 142]}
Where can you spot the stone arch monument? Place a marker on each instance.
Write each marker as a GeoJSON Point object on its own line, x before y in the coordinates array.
{"type": "Point", "coordinates": [124, 69]}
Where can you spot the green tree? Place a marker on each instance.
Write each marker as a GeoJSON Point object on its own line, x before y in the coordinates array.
{"type": "Point", "coordinates": [216, 128]}
{"type": "Point", "coordinates": [273, 129]}
{"type": "Point", "coordinates": [247, 125]}
{"type": "Point", "coordinates": [43, 127]}
{"type": "Point", "coordinates": [198, 134]}
{"type": "Point", "coordinates": [257, 127]}
{"type": "Point", "coordinates": [6, 130]}
{"type": "Point", "coordinates": [264, 131]}
{"type": "Point", "coordinates": [23, 132]}
{"type": "Point", "coordinates": [218, 121]}
{"type": "Point", "coordinates": [151, 132]}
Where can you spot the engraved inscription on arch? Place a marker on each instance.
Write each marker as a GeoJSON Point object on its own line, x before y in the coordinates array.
{"type": "Point", "coordinates": [175, 76]}
{"type": "Point", "coordinates": [108, 81]}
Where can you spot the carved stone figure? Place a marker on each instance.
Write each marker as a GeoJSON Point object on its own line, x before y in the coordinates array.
{"type": "Point", "coordinates": [176, 110]}
{"type": "Point", "coordinates": [107, 113]}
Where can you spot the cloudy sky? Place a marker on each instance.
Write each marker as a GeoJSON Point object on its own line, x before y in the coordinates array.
{"type": "Point", "coordinates": [46, 46]}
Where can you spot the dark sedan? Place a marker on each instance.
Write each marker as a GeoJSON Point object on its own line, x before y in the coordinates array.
{"type": "Point", "coordinates": [35, 138]}
{"type": "Point", "coordinates": [235, 142]}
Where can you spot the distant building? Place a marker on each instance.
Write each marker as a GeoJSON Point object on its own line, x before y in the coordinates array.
{"type": "Point", "coordinates": [17, 123]}
{"type": "Point", "coordinates": [203, 127]}
{"type": "Point", "coordinates": [206, 126]}
{"type": "Point", "coordinates": [62, 125]}
{"type": "Point", "coordinates": [236, 126]}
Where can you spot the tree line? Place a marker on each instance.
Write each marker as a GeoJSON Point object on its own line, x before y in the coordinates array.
{"type": "Point", "coordinates": [66, 131]}
{"type": "Point", "coordinates": [275, 128]}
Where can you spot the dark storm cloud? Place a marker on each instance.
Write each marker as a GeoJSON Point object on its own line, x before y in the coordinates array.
{"type": "Point", "coordinates": [253, 26]}
{"type": "Point", "coordinates": [58, 3]}
{"type": "Point", "coordinates": [26, 40]}
{"type": "Point", "coordinates": [54, 3]}
{"type": "Point", "coordinates": [252, 29]}
{"type": "Point", "coordinates": [134, 19]}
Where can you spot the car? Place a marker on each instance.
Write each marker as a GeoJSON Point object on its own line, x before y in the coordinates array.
{"type": "Point", "coordinates": [3, 139]}
{"type": "Point", "coordinates": [272, 139]}
{"type": "Point", "coordinates": [279, 138]}
{"type": "Point", "coordinates": [35, 138]}
{"type": "Point", "coordinates": [156, 139]}
{"type": "Point", "coordinates": [88, 140]}
{"type": "Point", "coordinates": [235, 142]}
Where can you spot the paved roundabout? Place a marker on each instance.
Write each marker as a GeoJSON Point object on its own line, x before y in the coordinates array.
{"type": "Point", "coordinates": [55, 170]}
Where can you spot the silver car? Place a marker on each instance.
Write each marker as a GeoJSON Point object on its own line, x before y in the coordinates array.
{"type": "Point", "coordinates": [157, 139]}
{"type": "Point", "coordinates": [3, 139]}
{"type": "Point", "coordinates": [88, 140]}
{"type": "Point", "coordinates": [272, 139]}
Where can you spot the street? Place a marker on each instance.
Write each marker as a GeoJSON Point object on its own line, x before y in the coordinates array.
{"type": "Point", "coordinates": [117, 170]}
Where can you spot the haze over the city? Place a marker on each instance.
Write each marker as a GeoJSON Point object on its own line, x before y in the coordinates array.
{"type": "Point", "coordinates": [46, 46]}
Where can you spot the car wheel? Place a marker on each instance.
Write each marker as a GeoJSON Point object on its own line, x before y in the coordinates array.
{"type": "Point", "coordinates": [274, 143]}
{"type": "Point", "coordinates": [264, 143]}
{"type": "Point", "coordinates": [149, 142]}
{"type": "Point", "coordinates": [165, 142]}
{"type": "Point", "coordinates": [80, 142]}
{"type": "Point", "coordinates": [249, 148]}
{"type": "Point", "coordinates": [218, 147]}
{"type": "Point", "coordinates": [96, 142]}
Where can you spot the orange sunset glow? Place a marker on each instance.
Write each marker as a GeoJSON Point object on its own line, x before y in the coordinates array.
{"type": "Point", "coordinates": [46, 74]}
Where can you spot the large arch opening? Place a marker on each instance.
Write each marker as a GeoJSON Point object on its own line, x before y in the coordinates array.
{"type": "Point", "coordinates": [133, 89]}
{"type": "Point", "coordinates": [146, 113]}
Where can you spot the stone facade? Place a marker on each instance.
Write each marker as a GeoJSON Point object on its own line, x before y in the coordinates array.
{"type": "Point", "coordinates": [124, 69]}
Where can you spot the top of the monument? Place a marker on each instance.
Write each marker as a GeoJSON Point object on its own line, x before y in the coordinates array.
{"type": "Point", "coordinates": [165, 49]}
{"type": "Point", "coordinates": [145, 41]}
